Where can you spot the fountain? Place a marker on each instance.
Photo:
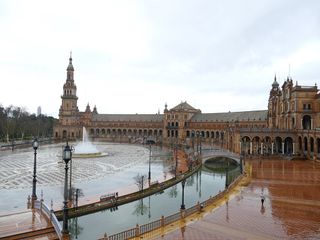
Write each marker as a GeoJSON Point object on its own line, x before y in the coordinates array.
{"type": "Point", "coordinates": [86, 149]}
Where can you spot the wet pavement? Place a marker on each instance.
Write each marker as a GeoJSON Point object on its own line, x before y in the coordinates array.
{"type": "Point", "coordinates": [23, 222]}
{"type": "Point", "coordinates": [32, 220]}
{"type": "Point", "coordinates": [94, 177]}
{"type": "Point", "coordinates": [291, 209]}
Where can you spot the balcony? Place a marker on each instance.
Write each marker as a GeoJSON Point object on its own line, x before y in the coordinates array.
{"type": "Point", "coordinates": [172, 127]}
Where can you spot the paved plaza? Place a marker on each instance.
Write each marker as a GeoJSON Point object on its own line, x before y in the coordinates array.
{"type": "Point", "coordinates": [25, 225]}
{"type": "Point", "coordinates": [291, 209]}
{"type": "Point", "coordinates": [95, 176]}
{"type": "Point", "coordinates": [17, 166]}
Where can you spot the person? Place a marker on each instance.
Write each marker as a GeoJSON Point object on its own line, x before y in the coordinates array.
{"type": "Point", "coordinates": [262, 198]}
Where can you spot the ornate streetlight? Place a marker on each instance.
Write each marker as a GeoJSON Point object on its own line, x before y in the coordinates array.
{"type": "Point", "coordinates": [197, 142]}
{"type": "Point", "coordinates": [183, 182]}
{"type": "Point", "coordinates": [241, 163]}
{"type": "Point", "coordinates": [70, 182]}
{"type": "Point", "coordinates": [201, 144]}
{"type": "Point", "coordinates": [176, 158]}
{"type": "Point", "coordinates": [227, 175]}
{"type": "Point", "coordinates": [67, 155]}
{"type": "Point", "coordinates": [35, 146]}
{"type": "Point", "coordinates": [149, 175]}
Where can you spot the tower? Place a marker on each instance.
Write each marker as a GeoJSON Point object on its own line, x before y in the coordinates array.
{"type": "Point", "coordinates": [69, 112]}
{"type": "Point", "coordinates": [273, 104]}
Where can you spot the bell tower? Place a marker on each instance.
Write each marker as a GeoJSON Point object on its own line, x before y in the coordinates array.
{"type": "Point", "coordinates": [273, 104]}
{"type": "Point", "coordinates": [68, 113]}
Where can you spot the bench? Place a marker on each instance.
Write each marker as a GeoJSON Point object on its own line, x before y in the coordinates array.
{"type": "Point", "coordinates": [110, 196]}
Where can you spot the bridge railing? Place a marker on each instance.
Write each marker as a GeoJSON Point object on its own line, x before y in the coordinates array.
{"type": "Point", "coordinates": [148, 227]}
{"type": "Point", "coordinates": [40, 205]}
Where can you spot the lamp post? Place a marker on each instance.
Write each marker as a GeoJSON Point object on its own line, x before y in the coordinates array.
{"type": "Point", "coordinates": [197, 142]}
{"type": "Point", "coordinates": [200, 144]}
{"type": "Point", "coordinates": [149, 175]}
{"type": "Point", "coordinates": [227, 175]}
{"type": "Point", "coordinates": [35, 146]}
{"type": "Point", "coordinates": [176, 158]}
{"type": "Point", "coordinates": [70, 189]}
{"type": "Point", "coordinates": [183, 182]}
{"type": "Point", "coordinates": [67, 155]}
{"type": "Point", "coordinates": [70, 182]}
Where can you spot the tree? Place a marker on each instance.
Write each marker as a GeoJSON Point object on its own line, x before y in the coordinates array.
{"type": "Point", "coordinates": [17, 123]}
{"type": "Point", "coordinates": [140, 208]}
{"type": "Point", "coordinates": [173, 192]}
{"type": "Point", "coordinates": [140, 180]}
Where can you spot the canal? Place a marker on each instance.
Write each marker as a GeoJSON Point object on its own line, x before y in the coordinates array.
{"type": "Point", "coordinates": [208, 181]}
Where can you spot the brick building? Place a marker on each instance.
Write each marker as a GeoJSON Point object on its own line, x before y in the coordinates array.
{"type": "Point", "coordinates": [289, 126]}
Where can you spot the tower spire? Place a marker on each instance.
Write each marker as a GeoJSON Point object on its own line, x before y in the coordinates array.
{"type": "Point", "coordinates": [275, 84]}
{"type": "Point", "coordinates": [70, 69]}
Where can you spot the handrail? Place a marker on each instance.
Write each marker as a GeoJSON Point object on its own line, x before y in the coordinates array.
{"type": "Point", "coordinates": [96, 206]}
{"type": "Point", "coordinates": [148, 227]}
{"type": "Point", "coordinates": [40, 205]}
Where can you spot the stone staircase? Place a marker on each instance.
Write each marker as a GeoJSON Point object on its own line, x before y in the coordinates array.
{"type": "Point", "coordinates": [45, 233]}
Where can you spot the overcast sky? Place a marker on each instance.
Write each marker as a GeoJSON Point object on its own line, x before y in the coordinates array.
{"type": "Point", "coordinates": [135, 56]}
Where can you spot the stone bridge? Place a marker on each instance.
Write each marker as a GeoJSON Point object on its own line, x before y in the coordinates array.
{"type": "Point", "coordinates": [208, 153]}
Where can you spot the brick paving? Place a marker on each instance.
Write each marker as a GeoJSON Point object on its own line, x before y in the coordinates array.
{"type": "Point", "coordinates": [23, 222]}
{"type": "Point", "coordinates": [291, 209]}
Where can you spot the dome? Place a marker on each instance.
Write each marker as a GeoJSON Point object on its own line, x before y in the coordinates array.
{"type": "Point", "coordinates": [275, 84]}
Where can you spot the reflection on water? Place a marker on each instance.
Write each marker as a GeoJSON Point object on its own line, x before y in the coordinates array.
{"type": "Point", "coordinates": [199, 187]}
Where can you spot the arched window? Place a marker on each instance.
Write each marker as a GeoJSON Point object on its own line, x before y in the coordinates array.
{"type": "Point", "coordinates": [278, 145]}
{"type": "Point", "coordinates": [288, 145]}
{"type": "Point", "coordinates": [305, 143]}
{"type": "Point", "coordinates": [311, 145]}
{"type": "Point", "coordinates": [306, 122]}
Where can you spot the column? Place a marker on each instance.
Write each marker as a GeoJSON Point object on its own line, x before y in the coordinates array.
{"type": "Point", "coordinates": [240, 147]}
{"type": "Point", "coordinates": [301, 123]}
{"type": "Point", "coordinates": [272, 148]}
{"type": "Point", "coordinates": [293, 148]}
{"type": "Point", "coordinates": [261, 151]}
{"type": "Point", "coordinates": [282, 148]}
{"type": "Point", "coordinates": [250, 147]}
{"type": "Point", "coordinates": [311, 123]}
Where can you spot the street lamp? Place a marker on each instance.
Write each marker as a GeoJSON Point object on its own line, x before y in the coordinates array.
{"type": "Point", "coordinates": [176, 158]}
{"type": "Point", "coordinates": [183, 182]}
{"type": "Point", "coordinates": [35, 146]}
{"type": "Point", "coordinates": [149, 175]}
{"type": "Point", "coordinates": [200, 144]}
{"type": "Point", "coordinates": [241, 164]}
{"type": "Point", "coordinates": [70, 182]}
{"type": "Point", "coordinates": [227, 175]}
{"type": "Point", "coordinates": [197, 142]}
{"type": "Point", "coordinates": [67, 155]}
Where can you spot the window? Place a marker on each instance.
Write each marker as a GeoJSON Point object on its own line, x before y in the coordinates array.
{"type": "Point", "coordinates": [307, 106]}
{"type": "Point", "coordinates": [293, 122]}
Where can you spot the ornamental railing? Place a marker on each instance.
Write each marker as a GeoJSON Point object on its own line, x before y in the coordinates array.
{"type": "Point", "coordinates": [40, 205]}
{"type": "Point", "coordinates": [163, 221]}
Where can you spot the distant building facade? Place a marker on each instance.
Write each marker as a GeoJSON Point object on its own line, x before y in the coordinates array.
{"type": "Point", "coordinates": [288, 127]}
